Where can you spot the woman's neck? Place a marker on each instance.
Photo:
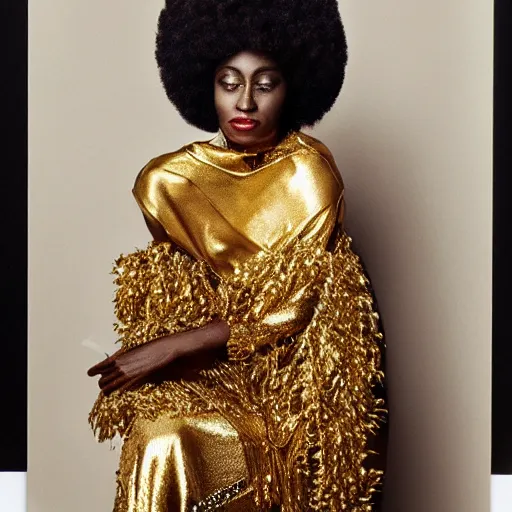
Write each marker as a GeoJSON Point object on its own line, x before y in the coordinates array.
{"type": "Point", "coordinates": [259, 147]}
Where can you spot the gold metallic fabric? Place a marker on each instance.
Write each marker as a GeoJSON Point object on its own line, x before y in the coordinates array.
{"type": "Point", "coordinates": [183, 464]}
{"type": "Point", "coordinates": [219, 209]}
{"type": "Point", "coordinates": [304, 351]}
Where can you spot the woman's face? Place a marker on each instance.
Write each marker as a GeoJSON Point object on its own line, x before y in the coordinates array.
{"type": "Point", "coordinates": [249, 95]}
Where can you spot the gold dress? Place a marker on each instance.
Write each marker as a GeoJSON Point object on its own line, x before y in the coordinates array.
{"type": "Point", "coordinates": [284, 418]}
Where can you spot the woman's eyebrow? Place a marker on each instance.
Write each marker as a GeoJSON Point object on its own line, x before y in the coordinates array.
{"type": "Point", "coordinates": [224, 68]}
{"type": "Point", "coordinates": [257, 71]}
{"type": "Point", "coordinates": [262, 69]}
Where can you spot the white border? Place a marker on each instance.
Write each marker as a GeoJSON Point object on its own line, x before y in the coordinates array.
{"type": "Point", "coordinates": [501, 492]}
{"type": "Point", "coordinates": [13, 491]}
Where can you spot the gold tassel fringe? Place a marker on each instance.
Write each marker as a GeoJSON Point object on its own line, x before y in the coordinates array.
{"type": "Point", "coordinates": [303, 404]}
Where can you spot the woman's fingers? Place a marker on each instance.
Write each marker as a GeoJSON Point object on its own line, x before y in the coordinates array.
{"type": "Point", "coordinates": [108, 377]}
{"type": "Point", "coordinates": [102, 366]}
{"type": "Point", "coordinates": [115, 384]}
{"type": "Point", "coordinates": [130, 383]}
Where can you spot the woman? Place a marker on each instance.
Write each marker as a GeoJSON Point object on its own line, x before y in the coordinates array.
{"type": "Point", "coordinates": [251, 348]}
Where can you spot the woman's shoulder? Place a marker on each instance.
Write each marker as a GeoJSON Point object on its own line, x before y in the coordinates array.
{"type": "Point", "coordinates": [313, 144]}
{"type": "Point", "coordinates": [159, 171]}
{"type": "Point", "coordinates": [166, 160]}
{"type": "Point", "coordinates": [167, 165]}
{"type": "Point", "coordinates": [319, 149]}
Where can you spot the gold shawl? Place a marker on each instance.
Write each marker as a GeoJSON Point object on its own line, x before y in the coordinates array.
{"type": "Point", "coordinates": [304, 351]}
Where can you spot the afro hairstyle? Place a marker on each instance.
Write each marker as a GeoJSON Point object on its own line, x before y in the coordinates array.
{"type": "Point", "coordinates": [305, 37]}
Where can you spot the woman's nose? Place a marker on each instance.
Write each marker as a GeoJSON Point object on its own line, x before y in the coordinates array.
{"type": "Point", "coordinates": [246, 101]}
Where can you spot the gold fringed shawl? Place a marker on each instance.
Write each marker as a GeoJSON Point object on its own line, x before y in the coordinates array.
{"type": "Point", "coordinates": [303, 403]}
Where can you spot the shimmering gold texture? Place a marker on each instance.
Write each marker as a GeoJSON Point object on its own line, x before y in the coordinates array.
{"type": "Point", "coordinates": [173, 464]}
{"type": "Point", "coordinates": [304, 351]}
{"type": "Point", "coordinates": [219, 209]}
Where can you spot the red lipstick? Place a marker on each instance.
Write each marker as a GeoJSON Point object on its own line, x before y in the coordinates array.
{"type": "Point", "coordinates": [243, 124]}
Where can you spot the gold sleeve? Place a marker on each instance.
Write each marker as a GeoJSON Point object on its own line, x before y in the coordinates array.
{"type": "Point", "coordinates": [161, 291]}
{"type": "Point", "coordinates": [269, 303]}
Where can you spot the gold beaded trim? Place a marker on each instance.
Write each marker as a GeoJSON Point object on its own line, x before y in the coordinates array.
{"type": "Point", "coordinates": [220, 497]}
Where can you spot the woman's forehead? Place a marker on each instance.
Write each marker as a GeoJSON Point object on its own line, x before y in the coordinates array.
{"type": "Point", "coordinates": [249, 61]}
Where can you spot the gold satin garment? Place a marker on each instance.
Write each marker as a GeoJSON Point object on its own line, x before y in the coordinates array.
{"type": "Point", "coordinates": [295, 416]}
{"type": "Point", "coordinates": [223, 206]}
{"type": "Point", "coordinates": [174, 464]}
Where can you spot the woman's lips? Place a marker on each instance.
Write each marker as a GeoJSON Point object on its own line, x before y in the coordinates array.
{"type": "Point", "coordinates": [243, 124]}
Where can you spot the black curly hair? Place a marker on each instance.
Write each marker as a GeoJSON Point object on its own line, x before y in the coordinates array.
{"type": "Point", "coordinates": [305, 37]}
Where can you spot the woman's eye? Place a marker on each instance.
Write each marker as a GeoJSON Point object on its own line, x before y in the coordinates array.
{"type": "Point", "coordinates": [264, 87]}
{"type": "Point", "coordinates": [230, 86]}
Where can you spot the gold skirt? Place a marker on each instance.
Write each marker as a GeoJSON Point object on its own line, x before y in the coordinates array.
{"type": "Point", "coordinates": [182, 465]}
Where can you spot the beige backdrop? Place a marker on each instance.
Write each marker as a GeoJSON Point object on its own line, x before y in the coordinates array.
{"type": "Point", "coordinates": [412, 136]}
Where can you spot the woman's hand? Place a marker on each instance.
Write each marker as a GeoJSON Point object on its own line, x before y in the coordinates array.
{"type": "Point", "coordinates": [123, 370]}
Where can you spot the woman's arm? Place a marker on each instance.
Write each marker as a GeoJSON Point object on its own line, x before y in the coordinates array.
{"type": "Point", "coordinates": [127, 368]}
{"type": "Point", "coordinates": [124, 370]}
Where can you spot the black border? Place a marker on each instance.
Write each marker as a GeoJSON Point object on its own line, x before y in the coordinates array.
{"type": "Point", "coordinates": [502, 242]}
{"type": "Point", "coordinates": [13, 343]}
